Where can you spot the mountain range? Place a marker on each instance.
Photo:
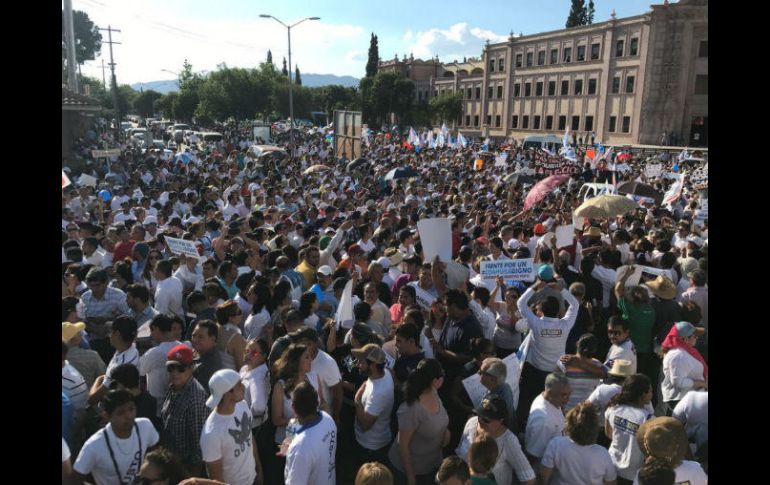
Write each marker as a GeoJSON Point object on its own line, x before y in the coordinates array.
{"type": "Point", "coordinates": [308, 80]}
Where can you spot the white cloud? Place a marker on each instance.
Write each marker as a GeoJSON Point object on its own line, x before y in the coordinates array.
{"type": "Point", "coordinates": [456, 42]}
{"type": "Point", "coordinates": [408, 36]}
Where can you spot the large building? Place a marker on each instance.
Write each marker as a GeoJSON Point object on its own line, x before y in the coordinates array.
{"type": "Point", "coordinates": [629, 80]}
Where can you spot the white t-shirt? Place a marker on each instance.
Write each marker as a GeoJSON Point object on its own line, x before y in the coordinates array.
{"type": "Point", "coordinates": [378, 400]}
{"type": "Point", "coordinates": [326, 368]}
{"type": "Point", "coordinates": [227, 437]}
{"type": "Point", "coordinates": [65, 451]}
{"type": "Point", "coordinates": [153, 365]}
{"type": "Point", "coordinates": [367, 247]}
{"type": "Point", "coordinates": [288, 412]}
{"type": "Point", "coordinates": [601, 397]}
{"type": "Point", "coordinates": [486, 318]}
{"type": "Point", "coordinates": [680, 370]}
{"type": "Point", "coordinates": [510, 457]}
{"type": "Point", "coordinates": [95, 457]}
{"type": "Point", "coordinates": [687, 473]}
{"type": "Point", "coordinates": [545, 422]}
{"type": "Point", "coordinates": [624, 350]}
{"type": "Point", "coordinates": [311, 455]}
{"type": "Point", "coordinates": [624, 450]}
{"type": "Point", "coordinates": [693, 412]}
{"type": "Point", "coordinates": [255, 324]}
{"type": "Point", "coordinates": [549, 335]}
{"type": "Point", "coordinates": [168, 297]}
{"type": "Point", "coordinates": [573, 463]}
{"type": "Point", "coordinates": [74, 386]}
{"type": "Point", "coordinates": [128, 356]}
{"type": "Point", "coordinates": [257, 391]}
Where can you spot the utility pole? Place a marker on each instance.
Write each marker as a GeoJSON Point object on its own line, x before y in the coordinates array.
{"type": "Point", "coordinates": [104, 79]}
{"type": "Point", "coordinates": [110, 30]}
{"type": "Point", "coordinates": [69, 33]}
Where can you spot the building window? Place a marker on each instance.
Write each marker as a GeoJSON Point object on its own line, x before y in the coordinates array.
{"type": "Point", "coordinates": [501, 64]}
{"type": "Point", "coordinates": [478, 92]}
{"type": "Point", "coordinates": [565, 88]}
{"type": "Point", "coordinates": [567, 54]}
{"type": "Point", "coordinates": [518, 60]}
{"type": "Point", "coordinates": [514, 121]}
{"type": "Point", "coordinates": [633, 47]}
{"type": "Point", "coordinates": [476, 121]}
{"type": "Point", "coordinates": [562, 123]}
{"type": "Point", "coordinates": [616, 85]}
{"type": "Point", "coordinates": [626, 124]}
{"type": "Point", "coordinates": [613, 120]}
{"type": "Point", "coordinates": [527, 89]}
{"type": "Point", "coordinates": [554, 56]}
{"type": "Point", "coordinates": [549, 122]}
{"type": "Point", "coordinates": [581, 53]}
{"type": "Point", "coordinates": [491, 65]}
{"type": "Point", "coordinates": [467, 120]}
{"type": "Point", "coordinates": [525, 124]}
{"type": "Point", "coordinates": [497, 121]}
{"type": "Point", "coordinates": [516, 90]}
{"type": "Point", "coordinates": [470, 93]}
{"type": "Point", "coordinates": [551, 88]}
{"type": "Point", "coordinates": [595, 51]}
{"type": "Point", "coordinates": [578, 87]}
{"type": "Point", "coordinates": [703, 49]}
{"type": "Point", "coordinates": [536, 124]}
{"type": "Point", "coordinates": [490, 92]}
{"type": "Point", "coordinates": [529, 59]}
{"type": "Point", "coordinates": [575, 123]}
{"type": "Point", "coordinates": [592, 86]}
{"type": "Point", "coordinates": [701, 84]}
{"type": "Point", "coordinates": [539, 88]}
{"type": "Point", "coordinates": [489, 120]}
{"type": "Point", "coordinates": [629, 84]}
{"type": "Point", "coordinates": [541, 58]}
{"type": "Point", "coordinates": [589, 123]}
{"type": "Point", "coordinates": [499, 92]}
{"type": "Point", "coordinates": [619, 48]}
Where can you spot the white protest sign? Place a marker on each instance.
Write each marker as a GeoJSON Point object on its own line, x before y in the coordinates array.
{"type": "Point", "coordinates": [701, 216]}
{"type": "Point", "coordinates": [424, 299]}
{"type": "Point", "coordinates": [565, 235]}
{"type": "Point", "coordinates": [513, 366]}
{"type": "Point", "coordinates": [509, 269]}
{"type": "Point", "coordinates": [436, 238]}
{"type": "Point", "coordinates": [632, 280]}
{"type": "Point", "coordinates": [578, 221]}
{"type": "Point", "coordinates": [87, 180]}
{"type": "Point", "coordinates": [653, 170]}
{"type": "Point", "coordinates": [344, 316]}
{"type": "Point", "coordinates": [182, 246]}
{"type": "Point", "coordinates": [65, 181]}
{"type": "Point", "coordinates": [475, 389]}
{"type": "Point", "coordinates": [655, 271]}
{"type": "Point", "coordinates": [105, 153]}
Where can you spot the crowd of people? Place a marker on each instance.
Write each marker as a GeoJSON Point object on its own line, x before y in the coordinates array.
{"type": "Point", "coordinates": [237, 365]}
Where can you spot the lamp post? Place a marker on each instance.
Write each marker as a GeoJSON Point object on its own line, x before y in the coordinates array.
{"type": "Point", "coordinates": [291, 98]}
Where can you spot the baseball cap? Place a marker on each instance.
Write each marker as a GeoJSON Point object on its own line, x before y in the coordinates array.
{"type": "Point", "coordinates": [180, 354]}
{"type": "Point", "coordinates": [370, 352]}
{"type": "Point", "coordinates": [545, 272]}
{"type": "Point", "coordinates": [69, 330]}
{"type": "Point", "coordinates": [685, 329]}
{"type": "Point", "coordinates": [355, 248]}
{"type": "Point", "coordinates": [384, 262]}
{"type": "Point", "coordinates": [482, 240]}
{"type": "Point", "coordinates": [220, 383]}
{"type": "Point", "coordinates": [325, 270]}
{"type": "Point", "coordinates": [539, 229]}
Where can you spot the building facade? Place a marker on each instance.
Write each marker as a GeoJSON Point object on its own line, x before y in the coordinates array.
{"type": "Point", "coordinates": [635, 80]}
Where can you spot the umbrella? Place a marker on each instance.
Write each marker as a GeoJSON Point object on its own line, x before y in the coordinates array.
{"type": "Point", "coordinates": [401, 173]}
{"type": "Point", "coordinates": [357, 163]}
{"type": "Point", "coordinates": [184, 156]}
{"type": "Point", "coordinates": [638, 188]}
{"type": "Point", "coordinates": [542, 189]}
{"type": "Point", "coordinates": [518, 178]}
{"type": "Point", "coordinates": [315, 168]}
{"type": "Point", "coordinates": [606, 206]}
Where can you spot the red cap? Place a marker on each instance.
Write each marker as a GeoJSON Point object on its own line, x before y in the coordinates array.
{"type": "Point", "coordinates": [181, 353]}
{"type": "Point", "coordinates": [482, 240]}
{"type": "Point", "coordinates": [355, 248]}
{"type": "Point", "coordinates": [539, 229]}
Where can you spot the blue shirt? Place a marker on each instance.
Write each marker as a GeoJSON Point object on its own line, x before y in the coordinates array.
{"type": "Point", "coordinates": [231, 290]}
{"type": "Point", "coordinates": [66, 418]}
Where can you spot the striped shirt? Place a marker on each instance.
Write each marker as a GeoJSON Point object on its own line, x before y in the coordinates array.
{"type": "Point", "coordinates": [183, 415]}
{"type": "Point", "coordinates": [113, 304]}
{"type": "Point", "coordinates": [74, 386]}
{"type": "Point", "coordinates": [581, 382]}
{"type": "Point", "coordinates": [128, 356]}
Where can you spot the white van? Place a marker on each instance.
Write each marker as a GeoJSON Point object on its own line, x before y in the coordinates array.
{"type": "Point", "coordinates": [589, 191]}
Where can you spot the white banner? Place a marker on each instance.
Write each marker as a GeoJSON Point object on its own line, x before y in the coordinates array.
{"type": "Point", "coordinates": [114, 152]}
{"type": "Point", "coordinates": [182, 246]}
{"type": "Point", "coordinates": [344, 316]}
{"type": "Point", "coordinates": [509, 269]}
{"type": "Point", "coordinates": [436, 238]}
{"type": "Point", "coordinates": [653, 170]}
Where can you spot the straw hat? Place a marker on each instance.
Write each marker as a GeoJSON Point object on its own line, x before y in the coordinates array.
{"type": "Point", "coordinates": [662, 287]}
{"type": "Point", "coordinates": [621, 368]}
{"type": "Point", "coordinates": [664, 438]}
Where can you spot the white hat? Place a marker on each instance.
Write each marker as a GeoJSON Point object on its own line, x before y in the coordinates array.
{"type": "Point", "coordinates": [325, 270]}
{"type": "Point", "coordinates": [150, 220]}
{"type": "Point", "coordinates": [695, 240]}
{"type": "Point", "coordinates": [220, 383]}
{"type": "Point", "coordinates": [384, 262]}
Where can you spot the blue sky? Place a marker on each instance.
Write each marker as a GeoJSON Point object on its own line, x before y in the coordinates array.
{"type": "Point", "coordinates": [160, 34]}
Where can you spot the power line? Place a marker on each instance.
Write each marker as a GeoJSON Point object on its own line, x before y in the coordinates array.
{"type": "Point", "coordinates": [110, 30]}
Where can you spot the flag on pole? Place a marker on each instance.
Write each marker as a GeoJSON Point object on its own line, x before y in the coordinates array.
{"type": "Point", "coordinates": [65, 181]}
{"type": "Point", "coordinates": [441, 141]}
{"type": "Point", "coordinates": [444, 131]}
{"type": "Point", "coordinates": [485, 145]}
{"type": "Point", "coordinates": [675, 192]}
{"type": "Point", "coordinates": [565, 140]}
{"type": "Point", "coordinates": [461, 141]}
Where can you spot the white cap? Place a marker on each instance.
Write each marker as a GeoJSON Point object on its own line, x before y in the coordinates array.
{"type": "Point", "coordinates": [325, 270]}
{"type": "Point", "coordinates": [150, 220]}
{"type": "Point", "coordinates": [384, 262]}
{"type": "Point", "coordinates": [220, 383]}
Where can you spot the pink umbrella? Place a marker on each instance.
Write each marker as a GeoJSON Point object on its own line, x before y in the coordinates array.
{"type": "Point", "coordinates": [543, 188]}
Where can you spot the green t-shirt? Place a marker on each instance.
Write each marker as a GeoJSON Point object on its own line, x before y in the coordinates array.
{"type": "Point", "coordinates": [482, 481]}
{"type": "Point", "coordinates": [641, 319]}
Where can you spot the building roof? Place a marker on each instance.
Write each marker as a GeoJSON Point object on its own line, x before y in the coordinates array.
{"type": "Point", "coordinates": [73, 101]}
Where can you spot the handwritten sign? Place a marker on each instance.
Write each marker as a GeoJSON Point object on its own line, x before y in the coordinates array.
{"type": "Point", "coordinates": [424, 299]}
{"type": "Point", "coordinates": [653, 170]}
{"type": "Point", "coordinates": [182, 246]}
{"type": "Point", "coordinates": [509, 269]}
{"type": "Point", "coordinates": [114, 152]}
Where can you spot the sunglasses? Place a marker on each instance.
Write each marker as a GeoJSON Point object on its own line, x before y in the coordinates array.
{"type": "Point", "coordinates": [176, 368]}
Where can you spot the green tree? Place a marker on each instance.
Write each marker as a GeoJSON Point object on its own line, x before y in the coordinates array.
{"type": "Point", "coordinates": [165, 105]}
{"type": "Point", "coordinates": [374, 57]}
{"type": "Point", "coordinates": [447, 107]}
{"type": "Point", "coordinates": [590, 12]}
{"type": "Point", "coordinates": [297, 77]}
{"type": "Point", "coordinates": [185, 104]}
{"type": "Point", "coordinates": [188, 80]}
{"type": "Point", "coordinates": [269, 57]}
{"type": "Point", "coordinates": [88, 39]}
{"type": "Point", "coordinates": [285, 71]}
{"type": "Point", "coordinates": [577, 14]}
{"type": "Point", "coordinates": [144, 103]}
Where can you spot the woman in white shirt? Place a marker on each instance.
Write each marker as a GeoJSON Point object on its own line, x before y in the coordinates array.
{"type": "Point", "coordinates": [308, 305]}
{"type": "Point", "coordinates": [625, 413]}
{"type": "Point", "coordinates": [683, 367]}
{"type": "Point", "coordinates": [507, 339]}
{"type": "Point", "coordinates": [576, 458]}
{"type": "Point", "coordinates": [257, 325]}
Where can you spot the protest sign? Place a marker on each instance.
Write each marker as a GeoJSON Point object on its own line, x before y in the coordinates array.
{"type": "Point", "coordinates": [653, 170]}
{"type": "Point", "coordinates": [565, 235]}
{"type": "Point", "coordinates": [701, 216]}
{"type": "Point", "coordinates": [424, 299]}
{"type": "Point", "coordinates": [115, 152]}
{"type": "Point", "coordinates": [513, 367]}
{"type": "Point", "coordinates": [509, 269]}
{"type": "Point", "coordinates": [182, 246]}
{"type": "Point", "coordinates": [475, 389]}
{"type": "Point", "coordinates": [578, 221]}
{"type": "Point", "coordinates": [87, 180]}
{"type": "Point", "coordinates": [654, 271]}
{"type": "Point", "coordinates": [344, 316]}
{"type": "Point", "coordinates": [436, 238]}
{"type": "Point", "coordinates": [632, 280]}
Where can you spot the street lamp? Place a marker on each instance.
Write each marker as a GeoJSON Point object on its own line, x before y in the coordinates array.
{"type": "Point", "coordinates": [291, 98]}
{"type": "Point", "coordinates": [171, 72]}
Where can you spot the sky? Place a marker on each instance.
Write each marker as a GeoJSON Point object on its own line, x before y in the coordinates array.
{"type": "Point", "coordinates": [160, 34]}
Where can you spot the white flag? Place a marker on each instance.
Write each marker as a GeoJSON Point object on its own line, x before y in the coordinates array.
{"type": "Point", "coordinates": [65, 181]}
